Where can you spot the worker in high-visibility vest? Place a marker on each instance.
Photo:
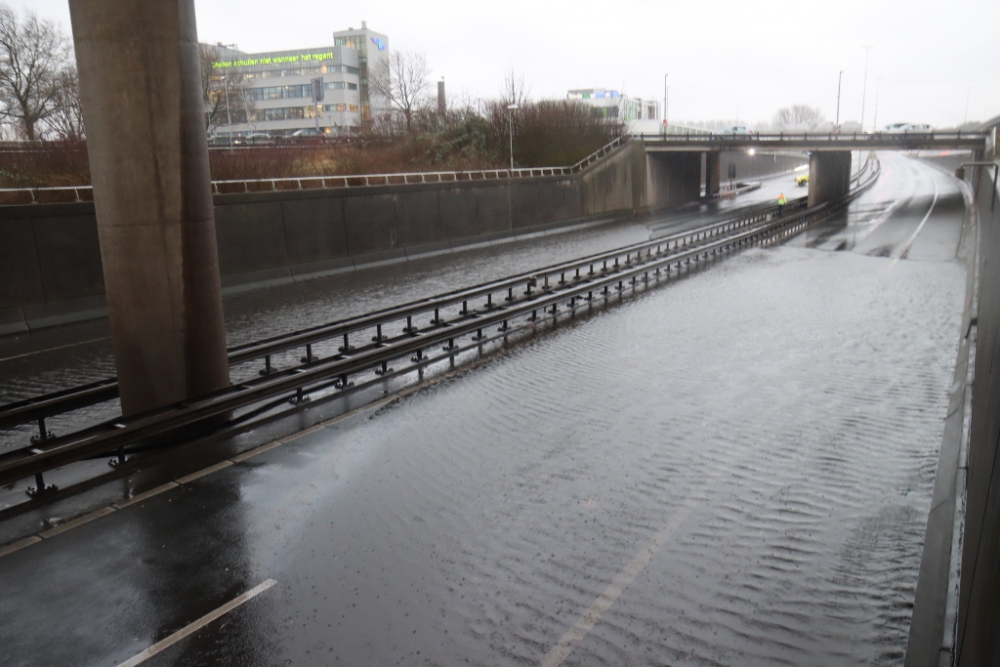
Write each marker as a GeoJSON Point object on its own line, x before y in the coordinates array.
{"type": "Point", "coordinates": [781, 204]}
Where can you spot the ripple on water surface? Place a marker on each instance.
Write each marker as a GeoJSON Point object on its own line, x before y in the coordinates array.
{"type": "Point", "coordinates": [785, 408]}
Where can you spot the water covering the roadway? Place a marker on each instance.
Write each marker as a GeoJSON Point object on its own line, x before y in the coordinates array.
{"type": "Point", "coordinates": [742, 459]}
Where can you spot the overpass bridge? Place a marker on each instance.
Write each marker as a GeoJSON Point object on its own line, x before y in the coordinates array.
{"type": "Point", "coordinates": [675, 163]}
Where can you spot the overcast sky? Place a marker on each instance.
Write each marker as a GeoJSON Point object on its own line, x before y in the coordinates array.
{"type": "Point", "coordinates": [722, 58]}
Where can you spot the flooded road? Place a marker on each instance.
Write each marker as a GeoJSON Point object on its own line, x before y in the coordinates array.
{"type": "Point", "coordinates": [62, 357]}
{"type": "Point", "coordinates": [733, 469]}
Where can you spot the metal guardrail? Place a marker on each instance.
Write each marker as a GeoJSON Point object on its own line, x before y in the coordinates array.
{"type": "Point", "coordinates": [313, 375]}
{"type": "Point", "coordinates": [39, 408]}
{"type": "Point", "coordinates": [577, 280]}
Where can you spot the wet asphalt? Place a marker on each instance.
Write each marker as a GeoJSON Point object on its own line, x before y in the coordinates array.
{"type": "Point", "coordinates": [732, 469]}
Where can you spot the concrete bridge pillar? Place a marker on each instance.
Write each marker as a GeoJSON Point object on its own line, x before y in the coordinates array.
{"type": "Point", "coordinates": [829, 176]}
{"type": "Point", "coordinates": [673, 178]}
{"type": "Point", "coordinates": [713, 173]}
{"type": "Point", "coordinates": [141, 94]}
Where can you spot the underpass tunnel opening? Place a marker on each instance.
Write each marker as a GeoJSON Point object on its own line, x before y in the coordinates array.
{"type": "Point", "coordinates": [674, 179]}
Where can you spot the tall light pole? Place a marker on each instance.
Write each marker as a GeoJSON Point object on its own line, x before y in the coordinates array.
{"type": "Point", "coordinates": [665, 107]}
{"type": "Point", "coordinates": [510, 123]}
{"type": "Point", "coordinates": [840, 79]}
{"type": "Point", "coordinates": [864, 89]}
{"type": "Point", "coordinates": [878, 85]}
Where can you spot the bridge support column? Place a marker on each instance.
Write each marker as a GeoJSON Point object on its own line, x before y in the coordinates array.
{"type": "Point", "coordinates": [829, 176]}
{"type": "Point", "coordinates": [674, 178]}
{"type": "Point", "coordinates": [141, 93]}
{"type": "Point", "coordinates": [713, 173]}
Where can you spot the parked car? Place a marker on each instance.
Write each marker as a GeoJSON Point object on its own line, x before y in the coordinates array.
{"type": "Point", "coordinates": [737, 129]}
{"type": "Point", "coordinates": [307, 136]}
{"type": "Point", "coordinates": [252, 139]}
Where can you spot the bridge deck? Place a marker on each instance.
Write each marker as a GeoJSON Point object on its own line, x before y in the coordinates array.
{"type": "Point", "coordinates": [813, 142]}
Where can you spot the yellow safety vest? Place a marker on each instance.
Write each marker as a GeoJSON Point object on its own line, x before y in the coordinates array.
{"type": "Point", "coordinates": [782, 201]}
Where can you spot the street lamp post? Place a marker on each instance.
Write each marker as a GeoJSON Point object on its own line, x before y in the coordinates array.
{"type": "Point", "coordinates": [510, 124]}
{"type": "Point", "coordinates": [878, 85]}
{"type": "Point", "coordinates": [840, 79]}
{"type": "Point", "coordinates": [864, 89]}
{"type": "Point", "coordinates": [665, 106]}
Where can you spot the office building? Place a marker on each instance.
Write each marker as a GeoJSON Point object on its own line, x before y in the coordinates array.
{"type": "Point", "coordinates": [272, 92]}
{"type": "Point", "coordinates": [612, 104]}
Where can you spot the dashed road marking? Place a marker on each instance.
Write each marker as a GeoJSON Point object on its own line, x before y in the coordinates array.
{"type": "Point", "coordinates": [51, 349]}
{"type": "Point", "coordinates": [590, 618]}
{"type": "Point", "coordinates": [164, 644]}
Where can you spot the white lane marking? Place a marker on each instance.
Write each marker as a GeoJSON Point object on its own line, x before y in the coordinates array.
{"type": "Point", "coordinates": [51, 349]}
{"type": "Point", "coordinates": [249, 454]}
{"type": "Point", "coordinates": [913, 238]}
{"type": "Point", "coordinates": [198, 474]}
{"type": "Point", "coordinates": [146, 495]}
{"type": "Point", "coordinates": [164, 644]}
{"type": "Point", "coordinates": [590, 618]}
{"type": "Point", "coordinates": [79, 521]}
{"type": "Point", "coordinates": [20, 544]}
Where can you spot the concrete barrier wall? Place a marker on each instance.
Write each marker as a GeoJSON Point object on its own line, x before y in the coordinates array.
{"type": "Point", "coordinates": [978, 642]}
{"type": "Point", "coordinates": [50, 262]}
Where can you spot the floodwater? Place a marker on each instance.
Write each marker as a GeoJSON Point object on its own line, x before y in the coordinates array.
{"type": "Point", "coordinates": [62, 357]}
{"type": "Point", "coordinates": [733, 469]}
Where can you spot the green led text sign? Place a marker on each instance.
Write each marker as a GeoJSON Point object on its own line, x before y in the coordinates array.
{"type": "Point", "coordinates": [278, 60]}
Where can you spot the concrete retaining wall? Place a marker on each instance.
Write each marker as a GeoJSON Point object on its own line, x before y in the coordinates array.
{"type": "Point", "coordinates": [978, 642]}
{"type": "Point", "coordinates": [50, 262]}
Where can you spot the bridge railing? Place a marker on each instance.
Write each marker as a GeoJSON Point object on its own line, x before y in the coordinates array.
{"type": "Point", "coordinates": [85, 193]}
{"type": "Point", "coordinates": [874, 137]}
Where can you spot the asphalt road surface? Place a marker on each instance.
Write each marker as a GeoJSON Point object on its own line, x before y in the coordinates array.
{"type": "Point", "coordinates": [732, 469]}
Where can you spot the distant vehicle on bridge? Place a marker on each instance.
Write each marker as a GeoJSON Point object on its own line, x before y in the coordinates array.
{"type": "Point", "coordinates": [906, 128]}
{"type": "Point", "coordinates": [737, 129]}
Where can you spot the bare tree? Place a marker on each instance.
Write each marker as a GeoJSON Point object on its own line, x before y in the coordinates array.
{"type": "Point", "coordinates": [66, 120]}
{"type": "Point", "coordinates": [402, 80]}
{"type": "Point", "coordinates": [797, 117]}
{"type": "Point", "coordinates": [512, 90]}
{"type": "Point", "coordinates": [32, 56]}
{"type": "Point", "coordinates": [224, 90]}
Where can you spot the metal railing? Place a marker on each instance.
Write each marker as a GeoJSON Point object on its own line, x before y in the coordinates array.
{"type": "Point", "coordinates": [85, 193]}
{"type": "Point", "coordinates": [819, 137]}
{"type": "Point", "coordinates": [394, 335]}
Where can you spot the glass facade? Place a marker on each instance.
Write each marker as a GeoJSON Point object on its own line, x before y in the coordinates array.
{"type": "Point", "coordinates": [294, 91]}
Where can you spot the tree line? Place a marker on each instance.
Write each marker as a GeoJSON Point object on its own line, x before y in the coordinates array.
{"type": "Point", "coordinates": [39, 90]}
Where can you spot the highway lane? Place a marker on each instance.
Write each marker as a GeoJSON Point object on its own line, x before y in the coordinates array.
{"type": "Point", "coordinates": [734, 469]}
